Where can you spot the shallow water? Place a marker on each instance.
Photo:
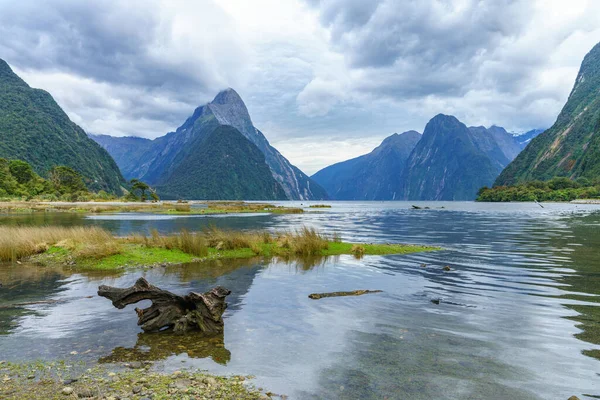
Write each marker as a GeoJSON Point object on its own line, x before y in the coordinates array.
{"type": "Point", "coordinates": [517, 316]}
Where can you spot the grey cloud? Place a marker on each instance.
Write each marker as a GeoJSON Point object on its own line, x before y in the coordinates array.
{"type": "Point", "coordinates": [418, 48]}
{"type": "Point", "coordinates": [379, 33]}
{"type": "Point", "coordinates": [136, 49]}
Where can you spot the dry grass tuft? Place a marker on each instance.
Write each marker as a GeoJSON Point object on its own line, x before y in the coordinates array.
{"type": "Point", "coordinates": [358, 250]}
{"type": "Point", "coordinates": [185, 241]}
{"type": "Point", "coordinates": [308, 242]}
{"type": "Point", "coordinates": [21, 241]}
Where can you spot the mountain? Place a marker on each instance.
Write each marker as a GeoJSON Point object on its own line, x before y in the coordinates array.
{"type": "Point", "coordinates": [227, 166]}
{"type": "Point", "coordinates": [35, 129]}
{"type": "Point", "coordinates": [373, 176]}
{"type": "Point", "coordinates": [126, 151]}
{"type": "Point", "coordinates": [571, 147]}
{"type": "Point", "coordinates": [451, 161]}
{"type": "Point", "coordinates": [523, 139]}
{"type": "Point", "coordinates": [160, 161]}
{"type": "Point", "coordinates": [499, 145]}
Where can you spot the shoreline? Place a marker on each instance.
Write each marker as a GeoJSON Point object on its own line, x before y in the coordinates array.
{"type": "Point", "coordinates": [136, 380]}
{"type": "Point", "coordinates": [585, 201]}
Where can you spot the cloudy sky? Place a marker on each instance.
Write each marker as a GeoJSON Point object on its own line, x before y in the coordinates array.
{"type": "Point", "coordinates": [325, 80]}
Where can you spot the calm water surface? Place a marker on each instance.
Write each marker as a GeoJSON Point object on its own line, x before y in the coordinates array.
{"type": "Point", "coordinates": [517, 318]}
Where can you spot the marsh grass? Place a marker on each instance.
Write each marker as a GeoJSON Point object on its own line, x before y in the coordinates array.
{"type": "Point", "coordinates": [185, 241]}
{"type": "Point", "coordinates": [308, 242]}
{"type": "Point", "coordinates": [303, 242]}
{"type": "Point", "coordinates": [95, 248]}
{"type": "Point", "coordinates": [20, 241]}
{"type": "Point", "coordinates": [358, 250]}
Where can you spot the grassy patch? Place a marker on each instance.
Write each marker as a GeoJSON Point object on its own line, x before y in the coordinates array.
{"type": "Point", "coordinates": [169, 208]}
{"type": "Point", "coordinates": [94, 248]}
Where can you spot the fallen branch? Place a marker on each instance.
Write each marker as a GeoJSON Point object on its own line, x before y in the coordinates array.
{"type": "Point", "coordinates": [317, 296]}
{"type": "Point", "coordinates": [194, 311]}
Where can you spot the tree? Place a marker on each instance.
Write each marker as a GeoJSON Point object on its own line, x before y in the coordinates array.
{"type": "Point", "coordinates": [22, 171]}
{"type": "Point", "coordinates": [66, 180]}
{"type": "Point", "coordinates": [139, 186]}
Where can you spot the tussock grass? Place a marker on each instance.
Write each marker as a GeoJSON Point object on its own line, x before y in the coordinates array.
{"type": "Point", "coordinates": [20, 241]}
{"type": "Point", "coordinates": [93, 247]}
{"type": "Point", "coordinates": [308, 242]}
{"type": "Point", "coordinates": [358, 250]}
{"type": "Point", "coordinates": [185, 241]}
{"type": "Point", "coordinates": [303, 242]}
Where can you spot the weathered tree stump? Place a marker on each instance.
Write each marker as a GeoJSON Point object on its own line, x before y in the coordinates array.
{"type": "Point", "coordinates": [203, 312]}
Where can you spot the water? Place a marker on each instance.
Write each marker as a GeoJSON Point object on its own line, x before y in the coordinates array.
{"type": "Point", "coordinates": [517, 316]}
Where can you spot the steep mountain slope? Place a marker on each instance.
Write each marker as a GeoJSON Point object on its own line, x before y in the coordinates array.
{"type": "Point", "coordinates": [499, 145]}
{"type": "Point", "coordinates": [35, 129]}
{"type": "Point", "coordinates": [373, 176]}
{"type": "Point", "coordinates": [571, 147]}
{"type": "Point", "coordinates": [157, 165]}
{"type": "Point", "coordinates": [226, 166]}
{"type": "Point", "coordinates": [448, 163]}
{"type": "Point", "coordinates": [127, 151]}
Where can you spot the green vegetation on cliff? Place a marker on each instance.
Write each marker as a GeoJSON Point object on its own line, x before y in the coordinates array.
{"type": "Point", "coordinates": [571, 147]}
{"type": "Point", "coordinates": [35, 129]}
{"type": "Point", "coordinates": [226, 166]}
{"type": "Point", "coordinates": [18, 180]}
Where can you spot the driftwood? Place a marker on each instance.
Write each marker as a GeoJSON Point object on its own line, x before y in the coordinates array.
{"type": "Point", "coordinates": [316, 296]}
{"type": "Point", "coordinates": [194, 311]}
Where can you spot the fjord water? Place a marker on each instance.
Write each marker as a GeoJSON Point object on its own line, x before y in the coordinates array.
{"type": "Point", "coordinates": [517, 316]}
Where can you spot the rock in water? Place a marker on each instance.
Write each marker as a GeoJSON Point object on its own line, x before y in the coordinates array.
{"type": "Point", "coordinates": [194, 311]}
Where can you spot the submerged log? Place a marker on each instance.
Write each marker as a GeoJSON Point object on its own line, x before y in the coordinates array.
{"type": "Point", "coordinates": [194, 311]}
{"type": "Point", "coordinates": [316, 296]}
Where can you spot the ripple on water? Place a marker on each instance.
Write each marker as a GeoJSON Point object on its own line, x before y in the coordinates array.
{"type": "Point", "coordinates": [511, 319]}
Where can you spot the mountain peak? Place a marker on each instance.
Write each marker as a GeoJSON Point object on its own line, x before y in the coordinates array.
{"type": "Point", "coordinates": [400, 138]}
{"type": "Point", "coordinates": [227, 96]}
{"type": "Point", "coordinates": [229, 109]}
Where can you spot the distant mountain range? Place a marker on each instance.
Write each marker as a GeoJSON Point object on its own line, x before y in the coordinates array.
{"type": "Point", "coordinates": [175, 163]}
{"type": "Point", "coordinates": [35, 129]}
{"type": "Point", "coordinates": [217, 153]}
{"type": "Point", "coordinates": [373, 176]}
{"type": "Point", "coordinates": [448, 162]}
{"type": "Point", "coordinates": [571, 147]}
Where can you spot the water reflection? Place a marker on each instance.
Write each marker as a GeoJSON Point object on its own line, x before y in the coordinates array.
{"type": "Point", "coordinates": [517, 315]}
{"type": "Point", "coordinates": [24, 284]}
{"type": "Point", "coordinates": [158, 346]}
